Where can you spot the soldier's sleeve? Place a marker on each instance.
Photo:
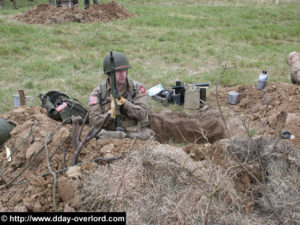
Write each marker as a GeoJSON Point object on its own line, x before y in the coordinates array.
{"type": "Point", "coordinates": [97, 112]}
{"type": "Point", "coordinates": [138, 109]}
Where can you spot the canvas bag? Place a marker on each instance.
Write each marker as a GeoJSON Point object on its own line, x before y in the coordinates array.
{"type": "Point", "coordinates": [60, 106]}
{"type": "Point", "coordinates": [191, 97]}
{"type": "Point", "coordinates": [180, 128]}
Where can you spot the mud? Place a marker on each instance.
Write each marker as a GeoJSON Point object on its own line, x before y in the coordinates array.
{"type": "Point", "coordinates": [46, 14]}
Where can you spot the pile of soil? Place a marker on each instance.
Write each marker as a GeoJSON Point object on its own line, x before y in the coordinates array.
{"type": "Point", "coordinates": [45, 14]}
{"type": "Point", "coordinates": [265, 112]}
{"type": "Point", "coordinates": [32, 191]}
{"type": "Point", "coordinates": [165, 186]}
{"type": "Point", "coordinates": [180, 182]}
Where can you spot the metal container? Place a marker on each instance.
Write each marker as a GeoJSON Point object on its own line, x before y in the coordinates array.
{"type": "Point", "coordinates": [203, 95]}
{"type": "Point", "coordinates": [177, 99]}
{"type": "Point", "coordinates": [233, 97]}
{"type": "Point", "coordinates": [17, 100]}
{"type": "Point", "coordinates": [262, 80]}
{"type": "Point", "coordinates": [261, 84]}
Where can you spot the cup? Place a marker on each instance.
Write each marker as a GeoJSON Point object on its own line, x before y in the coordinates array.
{"type": "Point", "coordinates": [233, 97]}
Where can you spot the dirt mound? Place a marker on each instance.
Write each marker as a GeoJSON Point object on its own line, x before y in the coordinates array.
{"type": "Point", "coordinates": [266, 111]}
{"type": "Point", "coordinates": [28, 141]}
{"type": "Point", "coordinates": [45, 14]}
{"type": "Point", "coordinates": [165, 186]}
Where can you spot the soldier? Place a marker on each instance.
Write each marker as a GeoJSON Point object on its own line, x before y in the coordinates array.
{"type": "Point", "coordinates": [13, 1]}
{"type": "Point", "coordinates": [59, 3]}
{"type": "Point", "coordinates": [87, 3]}
{"type": "Point", "coordinates": [133, 103]}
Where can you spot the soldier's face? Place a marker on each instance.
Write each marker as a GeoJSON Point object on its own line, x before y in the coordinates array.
{"type": "Point", "coordinates": [121, 76]}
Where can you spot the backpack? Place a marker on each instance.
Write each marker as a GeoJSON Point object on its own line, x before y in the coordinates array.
{"type": "Point", "coordinates": [60, 106]}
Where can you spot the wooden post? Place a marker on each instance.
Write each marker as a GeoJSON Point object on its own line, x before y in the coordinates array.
{"type": "Point", "coordinates": [22, 97]}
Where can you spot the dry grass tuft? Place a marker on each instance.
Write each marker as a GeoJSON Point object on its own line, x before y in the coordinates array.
{"type": "Point", "coordinates": [162, 185]}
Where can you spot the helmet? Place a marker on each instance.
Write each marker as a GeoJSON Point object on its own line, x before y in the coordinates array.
{"type": "Point", "coordinates": [121, 62]}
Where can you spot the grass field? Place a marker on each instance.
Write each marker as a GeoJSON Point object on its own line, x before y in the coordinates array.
{"type": "Point", "coordinates": [166, 40]}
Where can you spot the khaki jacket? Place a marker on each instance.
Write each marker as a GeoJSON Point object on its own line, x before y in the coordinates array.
{"type": "Point", "coordinates": [133, 110]}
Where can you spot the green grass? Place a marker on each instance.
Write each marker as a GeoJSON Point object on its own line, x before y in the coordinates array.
{"type": "Point", "coordinates": [167, 40]}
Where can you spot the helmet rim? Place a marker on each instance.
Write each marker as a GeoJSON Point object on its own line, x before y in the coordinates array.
{"type": "Point", "coordinates": [121, 62]}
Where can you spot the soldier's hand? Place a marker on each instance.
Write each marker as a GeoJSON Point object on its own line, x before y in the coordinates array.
{"type": "Point", "coordinates": [121, 101]}
{"type": "Point", "coordinates": [112, 111]}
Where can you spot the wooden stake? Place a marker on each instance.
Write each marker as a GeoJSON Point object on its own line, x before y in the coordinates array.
{"type": "Point", "coordinates": [22, 97]}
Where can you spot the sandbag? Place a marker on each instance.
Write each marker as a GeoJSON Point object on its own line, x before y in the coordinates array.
{"type": "Point", "coordinates": [179, 128]}
{"type": "Point", "coordinates": [5, 129]}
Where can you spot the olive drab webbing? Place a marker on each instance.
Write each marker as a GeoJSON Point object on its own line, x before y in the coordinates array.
{"type": "Point", "coordinates": [5, 129]}
{"type": "Point", "coordinates": [60, 106]}
{"type": "Point", "coordinates": [104, 94]}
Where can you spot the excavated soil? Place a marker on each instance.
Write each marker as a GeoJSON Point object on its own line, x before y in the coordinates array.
{"type": "Point", "coordinates": [28, 138]}
{"type": "Point", "coordinates": [27, 185]}
{"type": "Point", "coordinates": [45, 14]}
{"type": "Point", "coordinates": [264, 112]}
